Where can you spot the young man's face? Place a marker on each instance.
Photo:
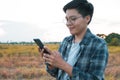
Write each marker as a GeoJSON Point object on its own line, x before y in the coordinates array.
{"type": "Point", "coordinates": [75, 22]}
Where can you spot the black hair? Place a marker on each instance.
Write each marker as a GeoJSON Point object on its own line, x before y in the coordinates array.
{"type": "Point", "coordinates": [82, 6]}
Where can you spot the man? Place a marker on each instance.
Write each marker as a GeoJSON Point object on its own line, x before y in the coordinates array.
{"type": "Point", "coordinates": [83, 55]}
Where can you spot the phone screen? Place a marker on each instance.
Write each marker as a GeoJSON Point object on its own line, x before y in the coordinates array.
{"type": "Point", "coordinates": [40, 44]}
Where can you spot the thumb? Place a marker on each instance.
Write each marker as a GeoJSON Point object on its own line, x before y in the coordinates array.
{"type": "Point", "coordinates": [47, 49]}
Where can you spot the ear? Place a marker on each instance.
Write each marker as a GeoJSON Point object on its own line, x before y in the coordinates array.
{"type": "Point", "coordinates": [87, 18]}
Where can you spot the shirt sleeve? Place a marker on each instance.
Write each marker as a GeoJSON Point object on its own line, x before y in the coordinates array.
{"type": "Point", "coordinates": [53, 72]}
{"type": "Point", "coordinates": [98, 62]}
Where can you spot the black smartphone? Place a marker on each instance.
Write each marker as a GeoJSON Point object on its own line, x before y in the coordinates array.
{"type": "Point", "coordinates": [41, 45]}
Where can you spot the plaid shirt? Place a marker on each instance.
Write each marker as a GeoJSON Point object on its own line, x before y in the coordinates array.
{"type": "Point", "coordinates": [92, 61]}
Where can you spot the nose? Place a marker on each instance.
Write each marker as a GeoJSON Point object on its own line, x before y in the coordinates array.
{"type": "Point", "coordinates": [68, 23]}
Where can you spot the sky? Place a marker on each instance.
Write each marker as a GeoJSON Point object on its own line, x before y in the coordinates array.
{"type": "Point", "coordinates": [23, 20]}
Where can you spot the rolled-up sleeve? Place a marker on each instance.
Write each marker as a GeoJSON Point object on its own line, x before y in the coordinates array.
{"type": "Point", "coordinates": [53, 72]}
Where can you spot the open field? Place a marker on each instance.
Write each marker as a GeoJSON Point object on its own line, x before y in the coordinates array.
{"type": "Point", "coordinates": [23, 62]}
{"type": "Point", "coordinates": [113, 68]}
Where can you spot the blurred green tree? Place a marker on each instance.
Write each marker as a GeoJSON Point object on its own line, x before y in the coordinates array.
{"type": "Point", "coordinates": [113, 39]}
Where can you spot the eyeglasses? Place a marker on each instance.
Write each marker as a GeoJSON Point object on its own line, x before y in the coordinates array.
{"type": "Point", "coordinates": [71, 19]}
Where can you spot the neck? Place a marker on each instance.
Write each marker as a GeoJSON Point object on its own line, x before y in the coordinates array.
{"type": "Point", "coordinates": [79, 37]}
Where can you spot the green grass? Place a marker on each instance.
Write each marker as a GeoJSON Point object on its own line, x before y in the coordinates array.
{"type": "Point", "coordinates": [114, 49]}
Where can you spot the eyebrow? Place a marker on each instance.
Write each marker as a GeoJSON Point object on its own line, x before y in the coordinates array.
{"type": "Point", "coordinates": [70, 16]}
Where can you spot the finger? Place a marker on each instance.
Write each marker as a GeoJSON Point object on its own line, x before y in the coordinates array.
{"type": "Point", "coordinates": [48, 49]}
{"type": "Point", "coordinates": [41, 52]}
{"type": "Point", "coordinates": [49, 63]}
{"type": "Point", "coordinates": [39, 49]}
{"type": "Point", "coordinates": [51, 57]}
{"type": "Point", "coordinates": [56, 53]}
{"type": "Point", "coordinates": [46, 58]}
{"type": "Point", "coordinates": [46, 55]}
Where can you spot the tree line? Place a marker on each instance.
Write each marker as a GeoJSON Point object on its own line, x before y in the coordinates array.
{"type": "Point", "coordinates": [112, 39]}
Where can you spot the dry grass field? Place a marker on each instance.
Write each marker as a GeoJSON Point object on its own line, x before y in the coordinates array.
{"type": "Point", "coordinates": [23, 62]}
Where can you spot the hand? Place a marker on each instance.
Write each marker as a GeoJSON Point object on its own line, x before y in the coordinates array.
{"type": "Point", "coordinates": [54, 59]}
{"type": "Point", "coordinates": [41, 51]}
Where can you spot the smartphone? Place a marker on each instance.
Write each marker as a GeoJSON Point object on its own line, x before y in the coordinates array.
{"type": "Point", "coordinates": [40, 44]}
